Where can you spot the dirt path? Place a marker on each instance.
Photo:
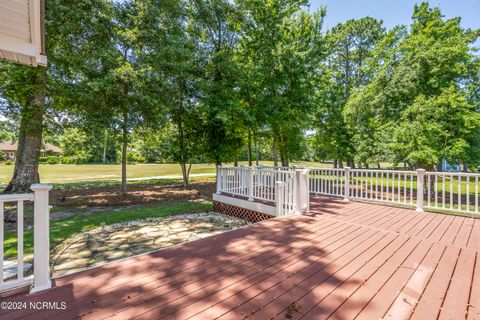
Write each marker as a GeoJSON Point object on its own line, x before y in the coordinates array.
{"type": "Point", "coordinates": [137, 194]}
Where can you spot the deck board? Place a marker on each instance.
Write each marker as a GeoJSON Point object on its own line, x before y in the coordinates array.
{"type": "Point", "coordinates": [343, 260]}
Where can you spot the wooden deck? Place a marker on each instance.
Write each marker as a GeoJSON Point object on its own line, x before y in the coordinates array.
{"type": "Point", "coordinates": [343, 261]}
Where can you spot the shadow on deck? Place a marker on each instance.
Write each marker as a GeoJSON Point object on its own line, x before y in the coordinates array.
{"type": "Point", "coordinates": [344, 260]}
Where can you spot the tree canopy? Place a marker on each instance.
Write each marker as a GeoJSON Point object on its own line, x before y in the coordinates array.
{"type": "Point", "coordinates": [222, 81]}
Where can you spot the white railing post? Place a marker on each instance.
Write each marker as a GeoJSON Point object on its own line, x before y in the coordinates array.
{"type": "Point", "coordinates": [219, 180]}
{"type": "Point", "coordinates": [41, 237]}
{"type": "Point", "coordinates": [250, 183]}
{"type": "Point", "coordinates": [346, 196]}
{"type": "Point", "coordinates": [278, 198]}
{"type": "Point", "coordinates": [298, 191]}
{"type": "Point", "coordinates": [306, 191]}
{"type": "Point", "coordinates": [420, 187]}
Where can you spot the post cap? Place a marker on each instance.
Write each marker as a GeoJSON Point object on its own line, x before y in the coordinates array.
{"type": "Point", "coordinates": [41, 186]}
{"type": "Point", "coordinates": [421, 170]}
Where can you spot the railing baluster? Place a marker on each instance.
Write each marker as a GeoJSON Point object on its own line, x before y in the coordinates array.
{"type": "Point", "coordinates": [451, 192]}
{"type": "Point", "coordinates": [443, 190]}
{"type": "Point", "coordinates": [411, 188]}
{"type": "Point", "coordinates": [381, 189]}
{"type": "Point", "coordinates": [399, 186]}
{"type": "Point", "coordinates": [324, 179]}
{"type": "Point", "coordinates": [476, 194]}
{"type": "Point", "coordinates": [459, 192]}
{"type": "Point", "coordinates": [371, 185]}
{"type": "Point", "coordinates": [1, 241]}
{"type": "Point", "coordinates": [428, 189]}
{"type": "Point", "coordinates": [329, 181]}
{"type": "Point", "coordinates": [361, 184]}
{"type": "Point", "coordinates": [20, 240]}
{"type": "Point", "coordinates": [386, 182]}
{"type": "Point", "coordinates": [393, 185]}
{"type": "Point", "coordinates": [468, 192]}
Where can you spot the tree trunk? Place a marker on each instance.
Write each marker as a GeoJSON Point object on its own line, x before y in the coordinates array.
{"type": "Point", "coordinates": [124, 153]}
{"type": "Point", "coordinates": [335, 163]}
{"type": "Point", "coordinates": [351, 163]}
{"type": "Point", "coordinates": [249, 148]}
{"type": "Point", "coordinates": [284, 160]}
{"type": "Point", "coordinates": [235, 163]}
{"type": "Point", "coordinates": [30, 141]}
{"type": "Point", "coordinates": [275, 150]}
{"type": "Point", "coordinates": [256, 148]}
{"type": "Point", "coordinates": [185, 174]}
{"type": "Point", "coordinates": [178, 119]}
{"type": "Point", "coordinates": [105, 146]}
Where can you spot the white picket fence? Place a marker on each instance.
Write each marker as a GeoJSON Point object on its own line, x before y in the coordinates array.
{"type": "Point", "coordinates": [40, 279]}
{"type": "Point", "coordinates": [444, 191]}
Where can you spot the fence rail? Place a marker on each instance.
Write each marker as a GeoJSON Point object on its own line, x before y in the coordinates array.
{"type": "Point", "coordinates": [285, 188]}
{"type": "Point", "coordinates": [444, 191]}
{"type": "Point", "coordinates": [251, 182]}
{"type": "Point", "coordinates": [40, 279]}
{"type": "Point", "coordinates": [452, 192]}
{"type": "Point", "coordinates": [286, 201]}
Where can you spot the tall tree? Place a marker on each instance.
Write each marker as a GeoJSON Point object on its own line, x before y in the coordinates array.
{"type": "Point", "coordinates": [169, 51]}
{"type": "Point", "coordinates": [24, 90]}
{"type": "Point", "coordinates": [418, 102]}
{"type": "Point", "coordinates": [350, 46]}
{"type": "Point", "coordinates": [282, 45]}
{"type": "Point", "coordinates": [31, 92]}
{"type": "Point", "coordinates": [216, 23]}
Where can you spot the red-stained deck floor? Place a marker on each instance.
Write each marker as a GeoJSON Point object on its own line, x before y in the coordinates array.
{"type": "Point", "coordinates": [343, 261]}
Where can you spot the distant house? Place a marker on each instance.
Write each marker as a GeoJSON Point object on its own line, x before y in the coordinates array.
{"type": "Point", "coordinates": [9, 149]}
{"type": "Point", "coordinates": [450, 167]}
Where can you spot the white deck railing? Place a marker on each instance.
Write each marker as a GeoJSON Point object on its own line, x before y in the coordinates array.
{"type": "Point", "coordinates": [285, 188]}
{"type": "Point", "coordinates": [40, 279]}
{"type": "Point", "coordinates": [447, 191]}
{"type": "Point", "coordinates": [327, 181]}
{"type": "Point", "coordinates": [286, 201]}
{"type": "Point", "coordinates": [444, 191]}
{"type": "Point", "coordinates": [383, 186]}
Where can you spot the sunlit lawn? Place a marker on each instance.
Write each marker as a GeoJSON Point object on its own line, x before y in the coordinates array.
{"type": "Point", "coordinates": [60, 173]}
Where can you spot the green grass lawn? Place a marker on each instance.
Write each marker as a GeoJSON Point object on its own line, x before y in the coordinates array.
{"type": "Point", "coordinates": [71, 173]}
{"type": "Point", "coordinates": [62, 229]}
{"type": "Point", "coordinates": [60, 173]}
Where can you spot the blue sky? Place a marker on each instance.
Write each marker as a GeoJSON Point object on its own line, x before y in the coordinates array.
{"type": "Point", "coordinates": [395, 12]}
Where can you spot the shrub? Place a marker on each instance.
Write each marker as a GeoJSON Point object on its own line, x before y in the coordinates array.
{"type": "Point", "coordinates": [133, 157]}
{"type": "Point", "coordinates": [42, 160]}
{"type": "Point", "coordinates": [82, 160]}
{"type": "Point", "coordinates": [9, 163]}
{"type": "Point", "coordinates": [67, 160]}
{"type": "Point", "coordinates": [53, 160]}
